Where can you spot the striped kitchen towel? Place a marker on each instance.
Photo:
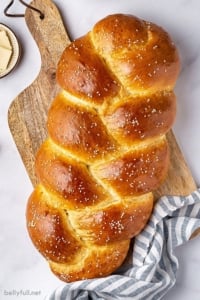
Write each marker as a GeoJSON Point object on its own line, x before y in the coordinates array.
{"type": "Point", "coordinates": [150, 269]}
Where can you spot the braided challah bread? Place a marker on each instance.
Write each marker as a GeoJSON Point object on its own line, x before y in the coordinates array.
{"type": "Point", "coordinates": [106, 149]}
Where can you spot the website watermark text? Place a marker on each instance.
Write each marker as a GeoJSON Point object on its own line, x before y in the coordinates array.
{"type": "Point", "coordinates": [21, 292]}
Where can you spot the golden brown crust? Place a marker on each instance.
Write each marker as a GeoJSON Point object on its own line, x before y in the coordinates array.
{"type": "Point", "coordinates": [106, 149]}
{"type": "Point", "coordinates": [140, 118]}
{"type": "Point", "coordinates": [72, 181]}
{"type": "Point", "coordinates": [137, 172]}
{"type": "Point", "coordinates": [140, 53]}
{"type": "Point", "coordinates": [87, 138]}
{"type": "Point", "coordinates": [87, 76]}
{"type": "Point", "coordinates": [97, 262]}
{"type": "Point", "coordinates": [49, 229]}
{"type": "Point", "coordinates": [118, 221]}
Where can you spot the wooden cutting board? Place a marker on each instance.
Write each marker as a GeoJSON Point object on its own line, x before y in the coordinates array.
{"type": "Point", "coordinates": [28, 112]}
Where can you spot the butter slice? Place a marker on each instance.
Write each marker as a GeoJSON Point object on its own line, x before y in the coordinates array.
{"type": "Point", "coordinates": [5, 55]}
{"type": "Point", "coordinates": [4, 40]}
{"type": "Point", "coordinates": [5, 50]}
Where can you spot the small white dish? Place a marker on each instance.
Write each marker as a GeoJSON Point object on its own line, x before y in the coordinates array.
{"type": "Point", "coordinates": [15, 50]}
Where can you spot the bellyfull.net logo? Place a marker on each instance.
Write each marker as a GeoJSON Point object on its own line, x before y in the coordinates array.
{"type": "Point", "coordinates": [21, 292]}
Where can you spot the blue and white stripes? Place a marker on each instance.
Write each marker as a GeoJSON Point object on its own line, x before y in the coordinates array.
{"type": "Point", "coordinates": [150, 269]}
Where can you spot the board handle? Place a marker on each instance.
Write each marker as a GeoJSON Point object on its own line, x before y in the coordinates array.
{"type": "Point", "coordinates": [46, 33]}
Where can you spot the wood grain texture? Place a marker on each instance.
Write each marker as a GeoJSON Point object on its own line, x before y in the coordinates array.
{"type": "Point", "coordinates": [28, 112]}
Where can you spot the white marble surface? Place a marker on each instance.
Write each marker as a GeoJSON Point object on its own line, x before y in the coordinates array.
{"type": "Point", "coordinates": [22, 268]}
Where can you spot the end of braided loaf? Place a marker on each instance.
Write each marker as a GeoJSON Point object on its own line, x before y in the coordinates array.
{"type": "Point", "coordinates": [106, 150]}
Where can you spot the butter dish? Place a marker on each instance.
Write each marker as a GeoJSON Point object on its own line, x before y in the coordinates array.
{"type": "Point", "coordinates": [9, 50]}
